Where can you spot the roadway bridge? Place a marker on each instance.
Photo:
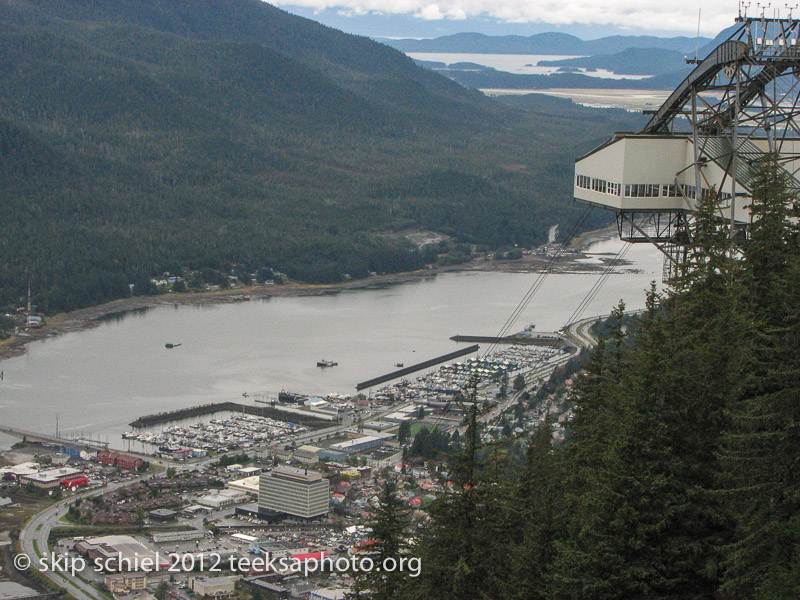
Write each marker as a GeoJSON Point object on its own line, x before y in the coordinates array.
{"type": "Point", "coordinates": [43, 438]}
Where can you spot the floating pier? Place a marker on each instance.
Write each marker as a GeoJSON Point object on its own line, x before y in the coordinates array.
{"type": "Point", "coordinates": [416, 367]}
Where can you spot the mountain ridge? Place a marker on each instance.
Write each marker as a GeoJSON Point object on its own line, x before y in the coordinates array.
{"type": "Point", "coordinates": [139, 139]}
{"type": "Point", "coordinates": [540, 43]}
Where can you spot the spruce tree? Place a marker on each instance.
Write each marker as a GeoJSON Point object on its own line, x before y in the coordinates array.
{"type": "Point", "coordinates": [387, 543]}
{"type": "Point", "coordinates": [762, 449]}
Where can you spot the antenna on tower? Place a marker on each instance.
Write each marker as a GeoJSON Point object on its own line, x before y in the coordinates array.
{"type": "Point", "coordinates": [697, 49]}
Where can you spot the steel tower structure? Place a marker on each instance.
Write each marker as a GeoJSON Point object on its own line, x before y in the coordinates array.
{"type": "Point", "coordinates": [740, 103]}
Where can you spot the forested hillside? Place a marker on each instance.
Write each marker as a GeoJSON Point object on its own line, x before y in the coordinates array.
{"type": "Point", "coordinates": [139, 137]}
{"type": "Point", "coordinates": [679, 474]}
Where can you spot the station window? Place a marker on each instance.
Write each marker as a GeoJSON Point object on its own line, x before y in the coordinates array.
{"type": "Point", "coordinates": [669, 191]}
{"type": "Point", "coordinates": [599, 185]}
{"type": "Point", "coordinates": [613, 189]}
{"type": "Point", "coordinates": [642, 190]}
{"type": "Point", "coordinates": [584, 181]}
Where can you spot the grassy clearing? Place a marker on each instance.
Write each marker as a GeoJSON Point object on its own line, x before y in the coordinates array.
{"type": "Point", "coordinates": [415, 427]}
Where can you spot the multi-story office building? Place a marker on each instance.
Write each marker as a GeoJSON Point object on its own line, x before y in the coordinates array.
{"type": "Point", "coordinates": [295, 492]}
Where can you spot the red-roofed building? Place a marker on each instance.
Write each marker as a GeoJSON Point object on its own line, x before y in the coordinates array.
{"type": "Point", "coordinates": [309, 556]}
{"type": "Point", "coordinates": [115, 459]}
{"type": "Point", "coordinates": [71, 483]}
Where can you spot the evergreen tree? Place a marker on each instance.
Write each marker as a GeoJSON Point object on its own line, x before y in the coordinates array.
{"type": "Point", "coordinates": [539, 501]}
{"type": "Point", "coordinates": [643, 447]}
{"type": "Point", "coordinates": [453, 546]}
{"type": "Point", "coordinates": [762, 449]}
{"type": "Point", "coordinates": [387, 543]}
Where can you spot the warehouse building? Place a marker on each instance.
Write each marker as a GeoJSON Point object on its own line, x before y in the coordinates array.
{"type": "Point", "coordinates": [116, 459]}
{"type": "Point", "coordinates": [50, 478]}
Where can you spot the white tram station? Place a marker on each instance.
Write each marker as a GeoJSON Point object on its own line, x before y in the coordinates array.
{"type": "Point", "coordinates": [739, 104]}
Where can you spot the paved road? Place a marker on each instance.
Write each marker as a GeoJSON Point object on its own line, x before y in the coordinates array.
{"type": "Point", "coordinates": [38, 529]}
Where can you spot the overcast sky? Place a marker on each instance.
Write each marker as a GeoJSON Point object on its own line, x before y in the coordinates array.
{"type": "Point", "coordinates": [656, 16]}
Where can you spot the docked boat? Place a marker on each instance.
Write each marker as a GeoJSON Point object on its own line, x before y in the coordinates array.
{"type": "Point", "coordinates": [326, 363]}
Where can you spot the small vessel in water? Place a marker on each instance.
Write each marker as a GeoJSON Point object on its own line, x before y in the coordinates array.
{"type": "Point", "coordinates": [168, 346]}
{"type": "Point", "coordinates": [326, 363]}
{"type": "Point", "coordinates": [398, 364]}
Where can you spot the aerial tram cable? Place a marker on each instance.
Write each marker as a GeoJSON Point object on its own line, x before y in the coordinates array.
{"type": "Point", "coordinates": [592, 293]}
{"type": "Point", "coordinates": [521, 307]}
{"type": "Point", "coordinates": [582, 305]}
{"type": "Point", "coordinates": [523, 303]}
{"type": "Point", "coordinates": [470, 389]}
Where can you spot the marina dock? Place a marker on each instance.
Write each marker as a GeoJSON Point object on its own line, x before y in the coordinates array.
{"type": "Point", "coordinates": [215, 407]}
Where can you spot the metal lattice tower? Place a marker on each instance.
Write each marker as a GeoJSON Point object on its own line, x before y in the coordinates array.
{"type": "Point", "coordinates": [740, 103]}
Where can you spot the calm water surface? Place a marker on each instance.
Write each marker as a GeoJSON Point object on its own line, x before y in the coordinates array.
{"type": "Point", "coordinates": [523, 64]}
{"type": "Point", "coordinates": [97, 381]}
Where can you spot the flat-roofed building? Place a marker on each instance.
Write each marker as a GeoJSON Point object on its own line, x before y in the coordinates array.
{"type": "Point", "coordinates": [365, 442]}
{"type": "Point", "coordinates": [295, 492]}
{"type": "Point", "coordinates": [18, 471]}
{"type": "Point", "coordinates": [213, 587]}
{"type": "Point", "coordinates": [223, 498]}
{"type": "Point", "coordinates": [122, 583]}
{"type": "Point", "coordinates": [248, 485]}
{"type": "Point", "coordinates": [307, 454]}
{"type": "Point", "coordinates": [50, 478]}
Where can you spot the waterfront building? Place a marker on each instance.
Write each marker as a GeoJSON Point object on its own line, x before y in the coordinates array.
{"type": "Point", "coordinates": [116, 459]}
{"type": "Point", "coordinates": [294, 492]}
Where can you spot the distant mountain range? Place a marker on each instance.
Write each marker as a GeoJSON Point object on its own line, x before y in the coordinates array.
{"type": "Point", "coordinates": [542, 43]}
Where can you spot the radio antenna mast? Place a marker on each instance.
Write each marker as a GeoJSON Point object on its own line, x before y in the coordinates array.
{"type": "Point", "coordinates": [697, 50]}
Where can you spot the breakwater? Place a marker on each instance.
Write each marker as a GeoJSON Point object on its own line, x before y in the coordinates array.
{"type": "Point", "coordinates": [549, 341]}
{"type": "Point", "coordinates": [416, 367]}
{"type": "Point", "coordinates": [215, 407]}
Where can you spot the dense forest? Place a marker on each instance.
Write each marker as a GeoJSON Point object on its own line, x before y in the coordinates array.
{"type": "Point", "coordinates": [213, 138]}
{"type": "Point", "coordinates": [679, 476]}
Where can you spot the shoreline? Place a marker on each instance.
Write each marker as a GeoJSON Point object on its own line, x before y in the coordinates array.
{"type": "Point", "coordinates": [87, 318]}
